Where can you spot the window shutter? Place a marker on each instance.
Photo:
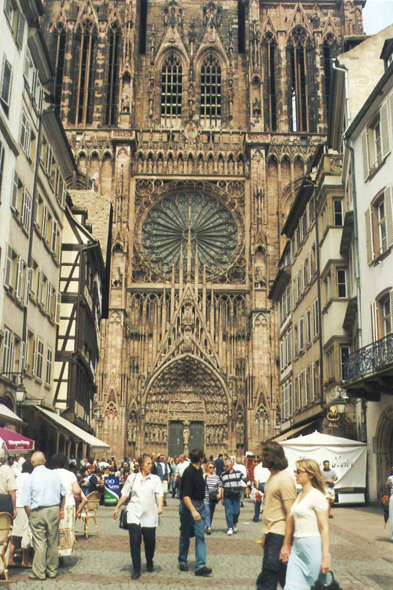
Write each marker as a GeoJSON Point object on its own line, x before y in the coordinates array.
{"type": "Point", "coordinates": [22, 362]}
{"type": "Point", "coordinates": [6, 82]}
{"type": "Point", "coordinates": [58, 303]}
{"type": "Point", "coordinates": [1, 166]}
{"type": "Point", "coordinates": [374, 321]}
{"type": "Point", "coordinates": [365, 155]}
{"type": "Point", "coordinates": [15, 192]}
{"type": "Point", "coordinates": [19, 279]}
{"type": "Point", "coordinates": [389, 215]}
{"type": "Point", "coordinates": [33, 355]}
{"type": "Point", "coordinates": [21, 29]}
{"type": "Point", "coordinates": [385, 129]}
{"type": "Point", "coordinates": [312, 382]}
{"type": "Point", "coordinates": [369, 237]}
{"type": "Point", "coordinates": [29, 275]}
{"type": "Point", "coordinates": [8, 267]}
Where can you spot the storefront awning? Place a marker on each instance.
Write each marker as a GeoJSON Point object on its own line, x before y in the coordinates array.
{"type": "Point", "coordinates": [7, 416]}
{"type": "Point", "coordinates": [290, 433]}
{"type": "Point", "coordinates": [12, 441]}
{"type": "Point", "coordinates": [91, 440]}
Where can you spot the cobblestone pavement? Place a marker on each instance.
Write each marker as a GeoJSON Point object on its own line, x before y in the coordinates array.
{"type": "Point", "coordinates": [362, 555]}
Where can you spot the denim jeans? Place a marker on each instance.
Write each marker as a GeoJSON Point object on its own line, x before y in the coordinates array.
{"type": "Point", "coordinates": [232, 510]}
{"type": "Point", "coordinates": [257, 506]}
{"type": "Point", "coordinates": [273, 570]}
{"type": "Point", "coordinates": [188, 526]}
{"type": "Point", "coordinates": [210, 508]}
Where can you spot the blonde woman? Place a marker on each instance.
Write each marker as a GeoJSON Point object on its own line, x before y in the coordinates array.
{"type": "Point", "coordinates": [310, 553]}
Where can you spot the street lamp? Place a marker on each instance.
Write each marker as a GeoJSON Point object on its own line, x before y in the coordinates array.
{"type": "Point", "coordinates": [100, 421]}
{"type": "Point", "coordinates": [341, 402]}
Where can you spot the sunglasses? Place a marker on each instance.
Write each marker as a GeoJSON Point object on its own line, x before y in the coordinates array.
{"type": "Point", "coordinates": [299, 471]}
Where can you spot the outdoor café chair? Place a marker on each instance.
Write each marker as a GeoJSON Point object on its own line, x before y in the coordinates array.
{"type": "Point", "coordinates": [89, 512]}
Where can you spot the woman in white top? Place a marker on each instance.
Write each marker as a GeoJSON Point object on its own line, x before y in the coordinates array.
{"type": "Point", "coordinates": [146, 500]}
{"type": "Point", "coordinates": [389, 485]}
{"type": "Point", "coordinates": [310, 553]}
{"type": "Point", "coordinates": [72, 499]}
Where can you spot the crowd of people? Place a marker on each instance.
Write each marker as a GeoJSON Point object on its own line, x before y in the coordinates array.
{"type": "Point", "coordinates": [45, 503]}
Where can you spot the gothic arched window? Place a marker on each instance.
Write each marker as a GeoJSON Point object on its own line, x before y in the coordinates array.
{"type": "Point", "coordinates": [211, 91]}
{"type": "Point", "coordinates": [329, 49]}
{"type": "Point", "coordinates": [85, 90]}
{"type": "Point", "coordinates": [113, 76]}
{"type": "Point", "coordinates": [60, 40]}
{"type": "Point", "coordinates": [171, 89]}
{"type": "Point", "coordinates": [270, 53]}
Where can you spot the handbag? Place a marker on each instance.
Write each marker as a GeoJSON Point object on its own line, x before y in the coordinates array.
{"type": "Point", "coordinates": [319, 585]}
{"type": "Point", "coordinates": [123, 511]}
{"type": "Point", "coordinates": [212, 495]}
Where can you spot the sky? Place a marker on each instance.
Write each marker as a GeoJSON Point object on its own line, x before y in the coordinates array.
{"type": "Point", "coordinates": [377, 14]}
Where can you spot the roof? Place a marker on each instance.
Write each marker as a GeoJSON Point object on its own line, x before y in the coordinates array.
{"type": "Point", "coordinates": [98, 215]}
{"type": "Point", "coordinates": [75, 430]}
{"type": "Point", "coordinates": [317, 439]}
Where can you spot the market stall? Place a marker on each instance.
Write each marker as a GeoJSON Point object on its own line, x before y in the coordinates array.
{"type": "Point", "coordinates": [347, 457]}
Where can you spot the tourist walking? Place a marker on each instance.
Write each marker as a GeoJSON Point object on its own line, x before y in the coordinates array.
{"type": "Point", "coordinates": [280, 494]}
{"type": "Point", "coordinates": [219, 463]}
{"type": "Point", "coordinates": [181, 467]}
{"type": "Point", "coordinates": [72, 500]}
{"type": "Point", "coordinates": [43, 497]}
{"type": "Point", "coordinates": [389, 485]}
{"type": "Point", "coordinates": [232, 485]}
{"type": "Point", "coordinates": [163, 472]}
{"type": "Point", "coordinates": [144, 490]}
{"type": "Point", "coordinates": [261, 475]}
{"type": "Point", "coordinates": [239, 466]}
{"type": "Point", "coordinates": [330, 477]}
{"type": "Point", "coordinates": [174, 465]}
{"type": "Point", "coordinates": [213, 487]}
{"type": "Point", "coordinates": [193, 515]}
{"type": "Point", "coordinates": [310, 554]}
{"type": "Point", "coordinates": [20, 529]}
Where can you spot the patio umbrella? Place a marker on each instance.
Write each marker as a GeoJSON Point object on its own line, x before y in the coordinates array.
{"type": "Point", "coordinates": [12, 441]}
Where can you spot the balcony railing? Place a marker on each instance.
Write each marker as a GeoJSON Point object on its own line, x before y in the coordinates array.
{"type": "Point", "coordinates": [369, 360]}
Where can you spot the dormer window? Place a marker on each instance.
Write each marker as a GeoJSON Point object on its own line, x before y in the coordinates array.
{"type": "Point", "coordinates": [387, 53]}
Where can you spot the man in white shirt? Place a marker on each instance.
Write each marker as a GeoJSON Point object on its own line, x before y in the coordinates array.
{"type": "Point", "coordinates": [261, 475]}
{"type": "Point", "coordinates": [180, 469]}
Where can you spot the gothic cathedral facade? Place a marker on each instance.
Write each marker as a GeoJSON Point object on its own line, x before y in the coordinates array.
{"type": "Point", "coordinates": [198, 120]}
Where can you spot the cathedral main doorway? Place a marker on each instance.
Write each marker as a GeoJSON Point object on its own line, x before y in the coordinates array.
{"type": "Point", "coordinates": [175, 438]}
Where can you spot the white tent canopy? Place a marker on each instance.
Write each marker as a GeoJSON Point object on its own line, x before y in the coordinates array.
{"type": "Point", "coordinates": [347, 457]}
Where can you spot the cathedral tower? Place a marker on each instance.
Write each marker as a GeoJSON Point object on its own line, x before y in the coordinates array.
{"type": "Point", "coordinates": [198, 120]}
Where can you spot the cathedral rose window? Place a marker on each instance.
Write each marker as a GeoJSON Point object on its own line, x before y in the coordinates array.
{"type": "Point", "coordinates": [191, 226]}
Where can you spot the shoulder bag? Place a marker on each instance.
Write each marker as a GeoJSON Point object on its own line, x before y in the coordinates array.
{"type": "Point", "coordinates": [123, 511]}
{"type": "Point", "coordinates": [212, 495]}
{"type": "Point", "coordinates": [319, 585]}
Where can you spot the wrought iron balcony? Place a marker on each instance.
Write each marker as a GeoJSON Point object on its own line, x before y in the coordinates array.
{"type": "Point", "coordinates": [369, 360]}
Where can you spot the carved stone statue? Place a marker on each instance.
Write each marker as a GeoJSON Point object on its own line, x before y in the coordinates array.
{"type": "Point", "coordinates": [256, 107]}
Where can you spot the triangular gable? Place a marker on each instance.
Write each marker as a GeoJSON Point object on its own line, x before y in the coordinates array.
{"type": "Point", "coordinates": [299, 17]}
{"type": "Point", "coordinates": [61, 17]}
{"type": "Point", "coordinates": [212, 41]}
{"type": "Point", "coordinates": [268, 27]}
{"type": "Point", "coordinates": [87, 11]}
{"type": "Point", "coordinates": [330, 30]}
{"type": "Point", "coordinates": [187, 296]}
{"type": "Point", "coordinates": [114, 16]}
{"type": "Point", "coordinates": [171, 39]}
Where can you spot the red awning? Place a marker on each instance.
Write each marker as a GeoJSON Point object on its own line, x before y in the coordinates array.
{"type": "Point", "coordinates": [12, 441]}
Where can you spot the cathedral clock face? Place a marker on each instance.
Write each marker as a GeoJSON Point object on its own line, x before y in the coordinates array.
{"type": "Point", "coordinates": [192, 226]}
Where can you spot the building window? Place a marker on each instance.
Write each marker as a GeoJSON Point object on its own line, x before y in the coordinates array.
{"type": "Point", "coordinates": [379, 225]}
{"type": "Point", "coordinates": [241, 19]}
{"type": "Point", "coordinates": [48, 371]}
{"type": "Point", "coordinates": [271, 62]}
{"type": "Point", "coordinates": [25, 135]}
{"type": "Point", "coordinates": [1, 167]}
{"type": "Point", "coordinates": [7, 362]}
{"type": "Point", "coordinates": [308, 326]}
{"type": "Point", "coordinates": [113, 76]}
{"type": "Point", "coordinates": [301, 334]}
{"type": "Point", "coordinates": [380, 207]}
{"type": "Point", "coordinates": [26, 211]}
{"type": "Point", "coordinates": [298, 88]}
{"type": "Point", "coordinates": [59, 64]}
{"type": "Point", "coordinates": [330, 362]}
{"type": "Point", "coordinates": [342, 282]}
{"type": "Point", "coordinates": [85, 90]}
{"type": "Point", "coordinates": [375, 141]}
{"type": "Point", "coordinates": [39, 359]}
{"type": "Point", "coordinates": [142, 26]}
{"type": "Point", "coordinates": [344, 358]}
{"type": "Point", "coordinates": [385, 312]}
{"type": "Point", "coordinates": [338, 211]}
{"type": "Point", "coordinates": [171, 89]}
{"type": "Point", "coordinates": [6, 78]}
{"type": "Point", "coordinates": [317, 389]}
{"type": "Point", "coordinates": [10, 271]}
{"type": "Point", "coordinates": [211, 91]}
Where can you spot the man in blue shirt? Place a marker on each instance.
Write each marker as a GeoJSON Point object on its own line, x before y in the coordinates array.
{"type": "Point", "coordinates": [43, 498]}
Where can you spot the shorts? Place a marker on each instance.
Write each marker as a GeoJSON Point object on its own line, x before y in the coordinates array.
{"type": "Point", "coordinates": [329, 493]}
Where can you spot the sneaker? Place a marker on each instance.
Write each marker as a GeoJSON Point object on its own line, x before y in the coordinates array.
{"type": "Point", "coordinates": [230, 532]}
{"type": "Point", "coordinates": [183, 567]}
{"type": "Point", "coordinates": [203, 571]}
{"type": "Point", "coordinates": [235, 529]}
{"type": "Point", "coordinates": [208, 531]}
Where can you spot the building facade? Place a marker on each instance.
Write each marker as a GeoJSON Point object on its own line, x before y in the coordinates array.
{"type": "Point", "coordinates": [196, 120]}
{"type": "Point", "coordinates": [36, 159]}
{"type": "Point", "coordinates": [366, 118]}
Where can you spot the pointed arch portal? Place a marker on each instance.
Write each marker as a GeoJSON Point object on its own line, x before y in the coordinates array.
{"type": "Point", "coordinates": [186, 405]}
